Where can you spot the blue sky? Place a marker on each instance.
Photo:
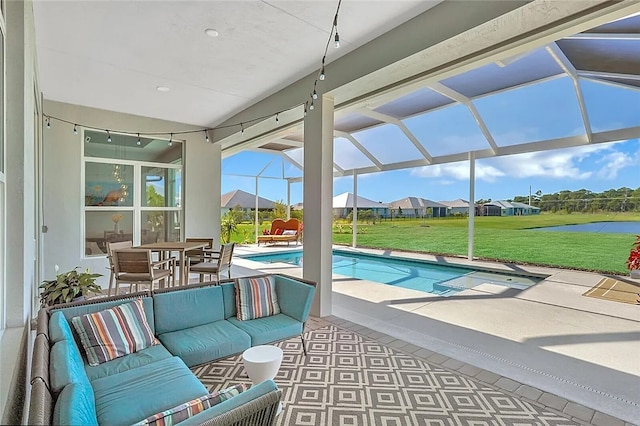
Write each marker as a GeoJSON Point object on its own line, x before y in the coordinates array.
{"type": "Point", "coordinates": [529, 114]}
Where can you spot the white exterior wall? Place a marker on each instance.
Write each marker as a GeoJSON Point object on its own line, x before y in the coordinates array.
{"type": "Point", "coordinates": [19, 243]}
{"type": "Point", "coordinates": [63, 193]}
{"type": "Point", "coordinates": [20, 154]}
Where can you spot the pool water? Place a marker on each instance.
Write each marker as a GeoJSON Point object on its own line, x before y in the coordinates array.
{"type": "Point", "coordinates": [412, 274]}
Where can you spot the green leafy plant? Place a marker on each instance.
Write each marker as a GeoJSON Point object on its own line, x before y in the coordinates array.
{"type": "Point", "coordinates": [68, 286]}
{"type": "Point", "coordinates": [633, 262]}
{"type": "Point", "coordinates": [228, 226]}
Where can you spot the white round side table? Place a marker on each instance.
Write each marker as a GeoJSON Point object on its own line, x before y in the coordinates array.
{"type": "Point", "coordinates": [262, 362]}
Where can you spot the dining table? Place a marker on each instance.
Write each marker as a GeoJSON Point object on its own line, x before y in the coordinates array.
{"type": "Point", "coordinates": [180, 247]}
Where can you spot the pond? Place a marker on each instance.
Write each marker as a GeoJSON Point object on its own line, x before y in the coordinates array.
{"type": "Point", "coordinates": [602, 227]}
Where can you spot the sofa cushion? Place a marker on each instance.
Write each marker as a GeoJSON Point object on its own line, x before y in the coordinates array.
{"type": "Point", "coordinates": [177, 310]}
{"type": "Point", "coordinates": [66, 365]}
{"type": "Point", "coordinates": [127, 397]}
{"type": "Point", "coordinates": [75, 406]}
{"type": "Point", "coordinates": [124, 363]}
{"type": "Point", "coordinates": [269, 329]}
{"type": "Point", "coordinates": [75, 311]}
{"type": "Point", "coordinates": [229, 298]}
{"type": "Point", "coordinates": [245, 397]}
{"type": "Point", "coordinates": [206, 342]}
{"type": "Point", "coordinates": [59, 328]}
{"type": "Point", "coordinates": [193, 407]}
{"type": "Point", "coordinates": [114, 332]}
{"type": "Point", "coordinates": [256, 298]}
{"type": "Point", "coordinates": [295, 297]}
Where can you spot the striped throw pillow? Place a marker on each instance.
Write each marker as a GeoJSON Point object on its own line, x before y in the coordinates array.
{"type": "Point", "coordinates": [256, 298]}
{"type": "Point", "coordinates": [114, 332]}
{"type": "Point", "coordinates": [189, 409]}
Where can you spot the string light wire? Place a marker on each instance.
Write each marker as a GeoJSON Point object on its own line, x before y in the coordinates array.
{"type": "Point", "coordinates": [333, 35]}
{"type": "Point", "coordinates": [48, 119]}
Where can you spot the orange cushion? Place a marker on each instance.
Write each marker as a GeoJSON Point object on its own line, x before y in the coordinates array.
{"type": "Point", "coordinates": [278, 231]}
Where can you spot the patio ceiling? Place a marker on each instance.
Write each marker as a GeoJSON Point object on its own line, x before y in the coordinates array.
{"type": "Point", "coordinates": [558, 95]}
{"type": "Point", "coordinates": [113, 54]}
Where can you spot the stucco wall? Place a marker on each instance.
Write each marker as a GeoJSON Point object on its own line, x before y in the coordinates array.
{"type": "Point", "coordinates": [63, 201]}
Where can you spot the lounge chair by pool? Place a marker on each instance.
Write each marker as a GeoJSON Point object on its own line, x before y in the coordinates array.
{"type": "Point", "coordinates": [282, 231]}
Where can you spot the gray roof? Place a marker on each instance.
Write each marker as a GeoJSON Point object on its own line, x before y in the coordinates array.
{"type": "Point", "coordinates": [456, 203]}
{"type": "Point", "coordinates": [414, 203]}
{"type": "Point", "coordinates": [511, 204]}
{"type": "Point", "coordinates": [244, 200]}
{"type": "Point", "coordinates": [345, 200]}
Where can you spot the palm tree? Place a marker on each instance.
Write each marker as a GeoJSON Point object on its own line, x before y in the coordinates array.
{"type": "Point", "coordinates": [228, 225]}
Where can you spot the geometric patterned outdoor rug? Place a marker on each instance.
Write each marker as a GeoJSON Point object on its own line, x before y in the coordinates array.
{"type": "Point", "coordinates": [348, 379]}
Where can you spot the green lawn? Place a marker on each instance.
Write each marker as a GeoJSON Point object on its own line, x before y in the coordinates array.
{"type": "Point", "coordinates": [500, 238]}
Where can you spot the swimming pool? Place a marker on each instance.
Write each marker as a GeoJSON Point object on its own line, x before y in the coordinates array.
{"type": "Point", "coordinates": [407, 273]}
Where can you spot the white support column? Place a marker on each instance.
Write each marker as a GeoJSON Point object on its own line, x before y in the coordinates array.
{"type": "Point", "coordinates": [472, 204]}
{"type": "Point", "coordinates": [288, 199]}
{"type": "Point", "coordinates": [216, 187]}
{"type": "Point", "coordinates": [355, 210]}
{"type": "Point", "coordinates": [256, 213]}
{"type": "Point", "coordinates": [318, 197]}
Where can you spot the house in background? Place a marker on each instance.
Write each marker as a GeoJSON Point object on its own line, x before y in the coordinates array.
{"type": "Point", "coordinates": [458, 206]}
{"type": "Point", "coordinates": [244, 200]}
{"type": "Point", "coordinates": [343, 205]}
{"type": "Point", "coordinates": [490, 209]}
{"type": "Point", "coordinates": [418, 207]}
{"type": "Point", "coordinates": [508, 208]}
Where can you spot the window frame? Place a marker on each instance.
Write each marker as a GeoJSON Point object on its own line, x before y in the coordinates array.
{"type": "Point", "coordinates": [137, 190]}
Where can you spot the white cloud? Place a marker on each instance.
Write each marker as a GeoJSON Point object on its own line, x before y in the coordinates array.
{"type": "Point", "coordinates": [558, 164]}
{"type": "Point", "coordinates": [616, 161]}
{"type": "Point", "coordinates": [458, 171]}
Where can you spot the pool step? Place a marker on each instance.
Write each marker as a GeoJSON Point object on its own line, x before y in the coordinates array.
{"type": "Point", "coordinates": [474, 279]}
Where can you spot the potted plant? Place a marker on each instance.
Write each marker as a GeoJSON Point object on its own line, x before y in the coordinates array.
{"type": "Point", "coordinates": [68, 286]}
{"type": "Point", "coordinates": [633, 262]}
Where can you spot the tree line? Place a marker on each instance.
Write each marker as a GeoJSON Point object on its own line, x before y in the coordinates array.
{"type": "Point", "coordinates": [612, 200]}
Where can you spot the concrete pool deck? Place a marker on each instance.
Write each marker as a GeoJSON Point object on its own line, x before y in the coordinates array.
{"type": "Point", "coordinates": [547, 336]}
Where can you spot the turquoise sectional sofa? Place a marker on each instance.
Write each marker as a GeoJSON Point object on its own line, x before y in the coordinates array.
{"type": "Point", "coordinates": [194, 324]}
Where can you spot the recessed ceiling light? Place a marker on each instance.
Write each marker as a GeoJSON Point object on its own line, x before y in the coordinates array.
{"type": "Point", "coordinates": [211, 32]}
{"type": "Point", "coordinates": [162, 89]}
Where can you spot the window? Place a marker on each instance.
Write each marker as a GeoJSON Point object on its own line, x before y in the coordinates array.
{"type": "Point", "coordinates": [132, 191]}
